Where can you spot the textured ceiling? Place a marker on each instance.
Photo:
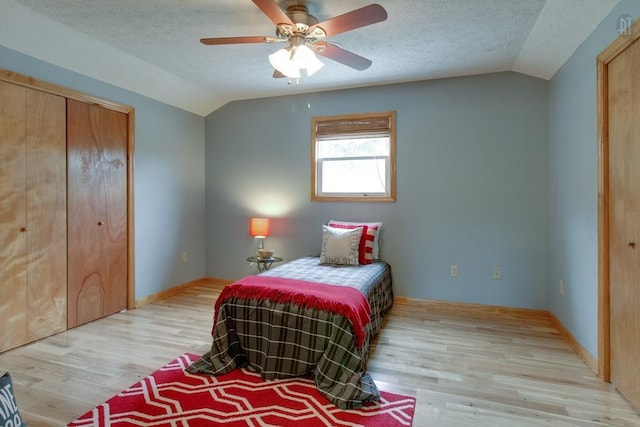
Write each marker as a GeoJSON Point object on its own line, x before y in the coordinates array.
{"type": "Point", "coordinates": [152, 47]}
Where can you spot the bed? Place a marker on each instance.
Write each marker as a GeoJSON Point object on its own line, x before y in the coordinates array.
{"type": "Point", "coordinates": [304, 318]}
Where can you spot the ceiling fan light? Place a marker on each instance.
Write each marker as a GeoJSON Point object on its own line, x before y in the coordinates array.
{"type": "Point", "coordinates": [314, 65]}
{"type": "Point", "coordinates": [302, 55]}
{"type": "Point", "coordinates": [281, 61]}
{"type": "Point", "coordinates": [306, 58]}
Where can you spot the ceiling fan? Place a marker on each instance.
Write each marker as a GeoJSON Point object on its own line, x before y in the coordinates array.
{"type": "Point", "coordinates": [305, 37]}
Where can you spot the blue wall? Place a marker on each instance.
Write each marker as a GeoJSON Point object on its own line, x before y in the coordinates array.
{"type": "Point", "coordinates": [168, 177]}
{"type": "Point", "coordinates": [471, 184]}
{"type": "Point", "coordinates": [573, 183]}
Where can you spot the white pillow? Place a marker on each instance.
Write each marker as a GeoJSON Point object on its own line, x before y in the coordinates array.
{"type": "Point", "coordinates": [340, 245]}
{"type": "Point", "coordinates": [376, 240]}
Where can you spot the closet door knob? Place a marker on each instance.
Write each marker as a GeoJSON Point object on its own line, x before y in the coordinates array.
{"type": "Point", "coordinates": [100, 222]}
{"type": "Point", "coordinates": [23, 229]}
{"type": "Point", "coordinates": [631, 244]}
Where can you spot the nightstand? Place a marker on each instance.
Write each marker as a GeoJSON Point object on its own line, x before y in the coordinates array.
{"type": "Point", "coordinates": [264, 264]}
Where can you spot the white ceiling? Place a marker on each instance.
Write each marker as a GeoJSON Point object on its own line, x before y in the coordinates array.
{"type": "Point", "coordinates": [152, 47]}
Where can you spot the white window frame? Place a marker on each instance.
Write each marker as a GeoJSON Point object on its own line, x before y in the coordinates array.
{"type": "Point", "coordinates": [353, 126]}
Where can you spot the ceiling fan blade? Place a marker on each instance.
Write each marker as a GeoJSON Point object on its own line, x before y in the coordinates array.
{"type": "Point", "coordinates": [351, 20]}
{"type": "Point", "coordinates": [273, 11]}
{"type": "Point", "coordinates": [278, 75]}
{"type": "Point", "coordinates": [237, 40]}
{"type": "Point", "coordinates": [343, 56]}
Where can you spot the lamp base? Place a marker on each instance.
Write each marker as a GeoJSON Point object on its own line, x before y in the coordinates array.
{"type": "Point", "coordinates": [259, 244]}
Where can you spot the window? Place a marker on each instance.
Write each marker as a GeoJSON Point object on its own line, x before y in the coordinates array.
{"type": "Point", "coordinates": [353, 157]}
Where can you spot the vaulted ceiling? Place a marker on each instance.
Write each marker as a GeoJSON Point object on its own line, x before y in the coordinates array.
{"type": "Point", "coordinates": [153, 48]}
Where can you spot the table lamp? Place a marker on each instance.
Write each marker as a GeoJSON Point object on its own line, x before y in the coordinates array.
{"type": "Point", "coordinates": [259, 229]}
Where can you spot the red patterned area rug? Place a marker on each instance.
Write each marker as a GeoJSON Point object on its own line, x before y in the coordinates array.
{"type": "Point", "coordinates": [172, 397]}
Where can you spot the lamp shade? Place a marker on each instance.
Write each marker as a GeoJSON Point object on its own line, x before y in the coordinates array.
{"type": "Point", "coordinates": [289, 61]}
{"type": "Point", "coordinates": [259, 227]}
{"type": "Point", "coordinates": [304, 57]}
{"type": "Point", "coordinates": [281, 61]}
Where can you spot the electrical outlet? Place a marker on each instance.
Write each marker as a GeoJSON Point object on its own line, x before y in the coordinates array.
{"type": "Point", "coordinates": [185, 257]}
{"type": "Point", "coordinates": [453, 270]}
{"type": "Point", "coordinates": [497, 273]}
{"type": "Point", "coordinates": [562, 289]}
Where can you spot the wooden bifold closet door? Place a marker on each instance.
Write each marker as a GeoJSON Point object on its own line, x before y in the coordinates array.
{"type": "Point", "coordinates": [97, 210]}
{"type": "Point", "coordinates": [33, 244]}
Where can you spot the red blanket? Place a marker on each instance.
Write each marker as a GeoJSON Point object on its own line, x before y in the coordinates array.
{"type": "Point", "coordinates": [343, 300]}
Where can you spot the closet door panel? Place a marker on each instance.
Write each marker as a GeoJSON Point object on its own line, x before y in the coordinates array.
{"type": "Point", "coordinates": [13, 221]}
{"type": "Point", "coordinates": [97, 197]}
{"type": "Point", "coordinates": [624, 220]}
{"type": "Point", "coordinates": [46, 214]}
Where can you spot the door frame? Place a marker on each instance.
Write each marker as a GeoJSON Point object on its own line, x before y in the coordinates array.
{"type": "Point", "coordinates": [30, 82]}
{"type": "Point", "coordinates": [604, 309]}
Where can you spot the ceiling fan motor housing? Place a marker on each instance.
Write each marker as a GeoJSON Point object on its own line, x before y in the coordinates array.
{"type": "Point", "coordinates": [299, 14]}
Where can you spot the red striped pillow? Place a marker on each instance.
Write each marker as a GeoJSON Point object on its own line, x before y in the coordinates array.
{"type": "Point", "coordinates": [365, 250]}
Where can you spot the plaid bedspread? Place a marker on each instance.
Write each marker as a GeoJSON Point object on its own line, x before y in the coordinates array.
{"type": "Point", "coordinates": [282, 339]}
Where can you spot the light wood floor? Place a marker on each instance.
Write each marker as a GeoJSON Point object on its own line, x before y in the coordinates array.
{"type": "Point", "coordinates": [465, 369]}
